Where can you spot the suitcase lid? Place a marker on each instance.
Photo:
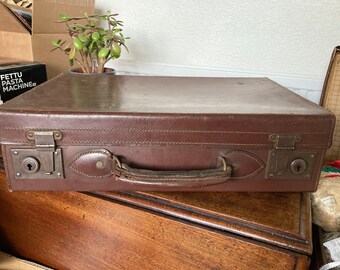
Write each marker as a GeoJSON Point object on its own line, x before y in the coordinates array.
{"type": "Point", "coordinates": [174, 95]}
{"type": "Point", "coordinates": [182, 110]}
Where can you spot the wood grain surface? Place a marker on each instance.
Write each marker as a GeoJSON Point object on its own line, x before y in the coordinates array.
{"type": "Point", "coordinates": [281, 219]}
{"type": "Point", "coordinates": [69, 230]}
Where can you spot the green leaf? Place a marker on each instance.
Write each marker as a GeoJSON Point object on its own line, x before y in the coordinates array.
{"type": "Point", "coordinates": [95, 36]}
{"type": "Point", "coordinates": [83, 39]}
{"type": "Point", "coordinates": [118, 38]}
{"type": "Point", "coordinates": [102, 32]}
{"type": "Point", "coordinates": [93, 22]}
{"type": "Point", "coordinates": [126, 48]}
{"type": "Point", "coordinates": [87, 31]}
{"type": "Point", "coordinates": [71, 62]}
{"type": "Point", "coordinates": [107, 37]}
{"type": "Point", "coordinates": [103, 53]}
{"type": "Point", "coordinates": [56, 42]}
{"type": "Point", "coordinates": [78, 45]}
{"type": "Point", "coordinates": [63, 17]}
{"type": "Point", "coordinates": [72, 54]}
{"type": "Point", "coordinates": [113, 23]}
{"type": "Point", "coordinates": [115, 51]}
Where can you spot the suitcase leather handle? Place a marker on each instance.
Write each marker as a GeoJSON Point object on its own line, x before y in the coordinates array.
{"type": "Point", "coordinates": [185, 178]}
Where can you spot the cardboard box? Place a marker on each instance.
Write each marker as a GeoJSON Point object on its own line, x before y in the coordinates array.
{"type": "Point", "coordinates": [18, 78]}
{"type": "Point", "coordinates": [19, 45]}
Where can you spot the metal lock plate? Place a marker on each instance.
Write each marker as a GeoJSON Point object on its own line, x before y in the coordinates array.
{"type": "Point", "coordinates": [285, 162]}
{"type": "Point", "coordinates": [42, 162]}
{"type": "Point", "coordinates": [290, 164]}
{"type": "Point", "coordinates": [27, 164]}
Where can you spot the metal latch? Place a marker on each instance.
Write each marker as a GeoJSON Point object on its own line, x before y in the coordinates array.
{"type": "Point", "coordinates": [42, 162]}
{"type": "Point", "coordinates": [285, 161]}
{"type": "Point", "coordinates": [284, 141]}
{"type": "Point", "coordinates": [45, 144]}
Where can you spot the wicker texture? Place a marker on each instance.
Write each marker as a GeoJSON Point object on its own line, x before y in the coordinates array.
{"type": "Point", "coordinates": [331, 101]}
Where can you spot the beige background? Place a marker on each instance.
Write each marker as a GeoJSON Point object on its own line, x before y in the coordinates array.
{"type": "Point", "coordinates": [289, 41]}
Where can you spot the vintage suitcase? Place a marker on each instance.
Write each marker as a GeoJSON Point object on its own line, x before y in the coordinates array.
{"type": "Point", "coordinates": [163, 133]}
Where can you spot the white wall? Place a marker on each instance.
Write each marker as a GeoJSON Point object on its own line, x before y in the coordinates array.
{"type": "Point", "coordinates": [289, 41]}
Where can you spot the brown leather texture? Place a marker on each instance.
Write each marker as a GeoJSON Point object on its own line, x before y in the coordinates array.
{"type": "Point", "coordinates": [164, 124]}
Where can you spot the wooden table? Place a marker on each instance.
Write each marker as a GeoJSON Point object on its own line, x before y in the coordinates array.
{"type": "Point", "coordinates": [104, 230]}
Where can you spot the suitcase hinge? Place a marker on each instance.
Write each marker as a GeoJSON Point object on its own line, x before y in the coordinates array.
{"type": "Point", "coordinates": [285, 161]}
{"type": "Point", "coordinates": [42, 162]}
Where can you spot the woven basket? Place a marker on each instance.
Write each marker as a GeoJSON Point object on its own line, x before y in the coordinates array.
{"type": "Point", "coordinates": [330, 99]}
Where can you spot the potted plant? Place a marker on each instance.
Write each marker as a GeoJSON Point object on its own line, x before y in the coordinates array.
{"type": "Point", "coordinates": [91, 45]}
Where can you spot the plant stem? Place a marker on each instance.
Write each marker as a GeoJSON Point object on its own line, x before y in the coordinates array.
{"type": "Point", "coordinates": [84, 17]}
{"type": "Point", "coordinates": [101, 66]}
{"type": "Point", "coordinates": [85, 61]}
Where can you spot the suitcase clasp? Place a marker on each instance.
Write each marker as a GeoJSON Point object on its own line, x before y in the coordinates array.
{"type": "Point", "coordinates": [285, 161]}
{"type": "Point", "coordinates": [284, 141]}
{"type": "Point", "coordinates": [45, 144]}
{"type": "Point", "coordinates": [42, 162]}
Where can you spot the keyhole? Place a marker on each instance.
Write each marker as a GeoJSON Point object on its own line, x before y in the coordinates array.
{"type": "Point", "coordinates": [298, 166]}
{"type": "Point", "coordinates": [29, 166]}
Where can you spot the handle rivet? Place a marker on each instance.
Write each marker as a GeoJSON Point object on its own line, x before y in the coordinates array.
{"type": "Point", "coordinates": [30, 135]}
{"type": "Point", "coordinates": [99, 164]}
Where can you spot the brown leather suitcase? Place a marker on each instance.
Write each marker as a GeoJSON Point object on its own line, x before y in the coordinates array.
{"type": "Point", "coordinates": [163, 133]}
